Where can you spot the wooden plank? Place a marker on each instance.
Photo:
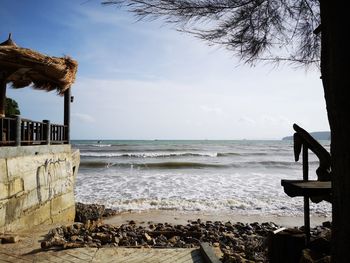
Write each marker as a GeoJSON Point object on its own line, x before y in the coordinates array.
{"type": "Point", "coordinates": [117, 255]}
{"type": "Point", "coordinates": [194, 256]}
{"type": "Point", "coordinates": [143, 256]}
{"type": "Point", "coordinates": [171, 255]}
{"type": "Point", "coordinates": [168, 256]}
{"type": "Point", "coordinates": [306, 188]}
{"type": "Point", "coordinates": [184, 257]}
{"type": "Point", "coordinates": [5, 257]}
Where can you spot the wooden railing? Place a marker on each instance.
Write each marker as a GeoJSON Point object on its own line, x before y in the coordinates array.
{"type": "Point", "coordinates": [16, 131]}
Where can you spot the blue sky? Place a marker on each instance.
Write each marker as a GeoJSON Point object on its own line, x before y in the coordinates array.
{"type": "Point", "coordinates": [145, 80]}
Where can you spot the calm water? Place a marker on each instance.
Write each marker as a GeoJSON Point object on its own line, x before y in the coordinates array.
{"type": "Point", "coordinates": [229, 176]}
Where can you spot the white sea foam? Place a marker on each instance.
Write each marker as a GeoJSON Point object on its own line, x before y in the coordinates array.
{"type": "Point", "coordinates": [192, 176]}
{"type": "Point", "coordinates": [102, 145]}
{"type": "Point", "coordinates": [147, 154]}
{"type": "Point", "coordinates": [248, 193]}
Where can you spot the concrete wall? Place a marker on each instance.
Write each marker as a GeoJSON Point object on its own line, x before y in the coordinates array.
{"type": "Point", "coordinates": [37, 185]}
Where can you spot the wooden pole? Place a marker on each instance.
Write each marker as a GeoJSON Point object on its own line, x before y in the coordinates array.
{"type": "Point", "coordinates": [306, 198]}
{"type": "Point", "coordinates": [47, 131]}
{"type": "Point", "coordinates": [2, 98]}
{"type": "Point", "coordinates": [18, 130]}
{"type": "Point", "coordinates": [67, 100]}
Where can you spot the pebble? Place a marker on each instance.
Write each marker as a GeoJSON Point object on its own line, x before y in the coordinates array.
{"type": "Point", "coordinates": [227, 236]}
{"type": "Point", "coordinates": [239, 242]}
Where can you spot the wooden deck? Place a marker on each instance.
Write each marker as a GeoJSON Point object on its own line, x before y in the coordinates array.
{"type": "Point", "coordinates": [28, 250]}
{"type": "Point", "coordinates": [105, 255]}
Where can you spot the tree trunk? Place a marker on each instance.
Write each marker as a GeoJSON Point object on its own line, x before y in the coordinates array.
{"type": "Point", "coordinates": [335, 58]}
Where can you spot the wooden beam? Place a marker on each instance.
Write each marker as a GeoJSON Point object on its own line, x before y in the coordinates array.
{"type": "Point", "coordinates": [67, 100]}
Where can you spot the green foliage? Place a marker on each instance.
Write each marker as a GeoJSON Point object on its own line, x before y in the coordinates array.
{"type": "Point", "coordinates": [11, 107]}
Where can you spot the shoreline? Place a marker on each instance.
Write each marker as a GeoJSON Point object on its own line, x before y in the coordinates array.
{"type": "Point", "coordinates": [183, 217]}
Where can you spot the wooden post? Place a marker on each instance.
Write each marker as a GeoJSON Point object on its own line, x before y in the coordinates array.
{"type": "Point", "coordinates": [47, 131]}
{"type": "Point", "coordinates": [67, 100]}
{"type": "Point", "coordinates": [18, 130]}
{"type": "Point", "coordinates": [2, 98]}
{"type": "Point", "coordinates": [306, 198]}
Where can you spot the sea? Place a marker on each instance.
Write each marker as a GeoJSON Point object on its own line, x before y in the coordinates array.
{"type": "Point", "coordinates": [209, 176]}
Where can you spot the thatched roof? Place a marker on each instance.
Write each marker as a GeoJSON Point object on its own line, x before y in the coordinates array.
{"type": "Point", "coordinates": [23, 67]}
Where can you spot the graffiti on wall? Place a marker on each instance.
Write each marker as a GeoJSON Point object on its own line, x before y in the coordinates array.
{"type": "Point", "coordinates": [52, 178]}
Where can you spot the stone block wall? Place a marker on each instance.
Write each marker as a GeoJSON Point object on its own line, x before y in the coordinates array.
{"type": "Point", "coordinates": [37, 185]}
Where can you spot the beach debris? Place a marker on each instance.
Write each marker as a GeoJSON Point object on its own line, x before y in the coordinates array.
{"type": "Point", "coordinates": [237, 242]}
{"type": "Point", "coordinates": [92, 212]}
{"type": "Point", "coordinates": [85, 212]}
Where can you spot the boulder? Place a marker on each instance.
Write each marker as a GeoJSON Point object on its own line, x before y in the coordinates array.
{"type": "Point", "coordinates": [85, 212]}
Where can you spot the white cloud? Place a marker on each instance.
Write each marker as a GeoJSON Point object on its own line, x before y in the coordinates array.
{"type": "Point", "coordinates": [209, 109]}
{"type": "Point", "coordinates": [246, 120]}
{"type": "Point", "coordinates": [276, 120]}
{"type": "Point", "coordinates": [86, 118]}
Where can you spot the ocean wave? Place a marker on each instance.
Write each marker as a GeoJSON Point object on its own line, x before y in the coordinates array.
{"type": "Point", "coordinates": [151, 154]}
{"type": "Point", "coordinates": [96, 164]}
{"type": "Point", "coordinates": [132, 149]}
{"type": "Point", "coordinates": [179, 165]}
{"type": "Point", "coordinates": [155, 165]}
{"type": "Point", "coordinates": [227, 154]}
{"type": "Point", "coordinates": [283, 164]}
{"type": "Point", "coordinates": [190, 165]}
{"type": "Point", "coordinates": [271, 164]}
{"type": "Point", "coordinates": [101, 145]}
{"type": "Point", "coordinates": [146, 155]}
{"type": "Point", "coordinates": [142, 204]}
{"type": "Point", "coordinates": [238, 206]}
{"type": "Point", "coordinates": [93, 145]}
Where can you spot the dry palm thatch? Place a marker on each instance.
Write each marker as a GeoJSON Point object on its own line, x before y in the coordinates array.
{"type": "Point", "coordinates": [22, 67]}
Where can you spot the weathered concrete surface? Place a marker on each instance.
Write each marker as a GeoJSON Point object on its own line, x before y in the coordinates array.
{"type": "Point", "coordinates": [37, 185]}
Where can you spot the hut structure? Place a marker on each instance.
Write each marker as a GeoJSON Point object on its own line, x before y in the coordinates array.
{"type": "Point", "coordinates": [38, 166]}
{"type": "Point", "coordinates": [22, 67]}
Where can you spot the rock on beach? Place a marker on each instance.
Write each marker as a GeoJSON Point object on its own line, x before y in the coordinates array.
{"type": "Point", "coordinates": [238, 242]}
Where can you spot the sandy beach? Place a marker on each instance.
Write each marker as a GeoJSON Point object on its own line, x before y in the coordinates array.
{"type": "Point", "coordinates": [181, 217]}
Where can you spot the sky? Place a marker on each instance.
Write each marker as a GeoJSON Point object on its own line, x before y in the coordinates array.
{"type": "Point", "coordinates": [145, 80]}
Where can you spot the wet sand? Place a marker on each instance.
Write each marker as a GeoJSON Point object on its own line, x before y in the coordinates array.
{"type": "Point", "coordinates": [180, 217]}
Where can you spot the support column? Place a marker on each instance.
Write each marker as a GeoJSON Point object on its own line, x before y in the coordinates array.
{"type": "Point", "coordinates": [306, 197]}
{"type": "Point", "coordinates": [2, 98]}
{"type": "Point", "coordinates": [18, 130]}
{"type": "Point", "coordinates": [67, 101]}
{"type": "Point", "coordinates": [47, 132]}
